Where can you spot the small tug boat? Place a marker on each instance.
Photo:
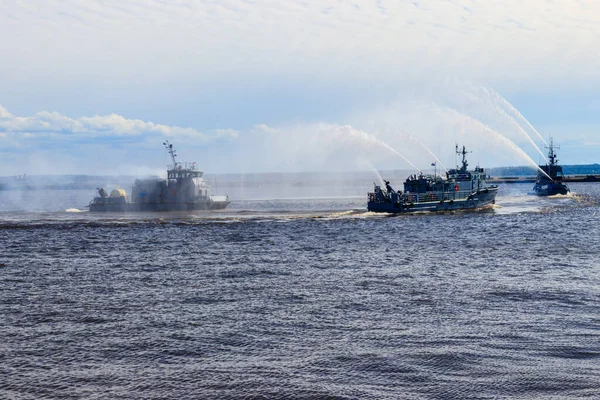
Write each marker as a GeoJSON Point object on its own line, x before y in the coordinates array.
{"type": "Point", "coordinates": [183, 190]}
{"type": "Point", "coordinates": [552, 182]}
{"type": "Point", "coordinates": [460, 190]}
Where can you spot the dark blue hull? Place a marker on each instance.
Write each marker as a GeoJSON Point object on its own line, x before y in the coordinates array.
{"type": "Point", "coordinates": [550, 189]}
{"type": "Point", "coordinates": [549, 181]}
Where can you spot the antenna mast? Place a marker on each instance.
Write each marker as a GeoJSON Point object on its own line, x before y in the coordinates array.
{"type": "Point", "coordinates": [552, 157]}
{"type": "Point", "coordinates": [464, 153]}
{"type": "Point", "coordinates": [171, 151]}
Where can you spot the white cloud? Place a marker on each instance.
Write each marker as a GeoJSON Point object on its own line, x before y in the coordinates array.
{"type": "Point", "coordinates": [4, 113]}
{"type": "Point", "coordinates": [264, 129]}
{"type": "Point", "coordinates": [110, 144]}
{"type": "Point", "coordinates": [52, 124]}
{"type": "Point", "coordinates": [421, 126]}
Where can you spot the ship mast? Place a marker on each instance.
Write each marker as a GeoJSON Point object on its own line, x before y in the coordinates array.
{"type": "Point", "coordinates": [463, 152]}
{"type": "Point", "coordinates": [171, 151]}
{"type": "Point", "coordinates": [551, 153]}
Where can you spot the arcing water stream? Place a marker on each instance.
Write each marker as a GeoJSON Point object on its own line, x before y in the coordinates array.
{"type": "Point", "coordinates": [496, 96]}
{"type": "Point", "coordinates": [481, 127]}
{"type": "Point", "coordinates": [417, 141]}
{"type": "Point", "coordinates": [366, 137]}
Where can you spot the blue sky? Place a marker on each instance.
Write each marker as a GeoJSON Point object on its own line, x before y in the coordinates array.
{"type": "Point", "coordinates": [262, 86]}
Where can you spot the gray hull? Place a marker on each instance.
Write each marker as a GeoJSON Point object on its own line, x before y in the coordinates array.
{"type": "Point", "coordinates": [477, 200]}
{"type": "Point", "coordinates": [114, 206]}
{"type": "Point", "coordinates": [183, 190]}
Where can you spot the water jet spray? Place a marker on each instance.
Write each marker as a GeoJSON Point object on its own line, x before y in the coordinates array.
{"type": "Point", "coordinates": [414, 139]}
{"type": "Point", "coordinates": [496, 96]}
{"type": "Point", "coordinates": [504, 139]}
{"type": "Point", "coordinates": [371, 138]}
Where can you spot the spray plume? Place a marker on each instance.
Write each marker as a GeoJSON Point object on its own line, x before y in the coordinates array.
{"type": "Point", "coordinates": [504, 139]}
{"type": "Point", "coordinates": [363, 136]}
{"type": "Point", "coordinates": [502, 111]}
{"type": "Point", "coordinates": [417, 141]}
{"type": "Point", "coordinates": [381, 182]}
{"type": "Point", "coordinates": [496, 96]}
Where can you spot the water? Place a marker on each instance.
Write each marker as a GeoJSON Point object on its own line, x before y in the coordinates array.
{"type": "Point", "coordinates": [482, 128]}
{"type": "Point", "coordinates": [506, 104]}
{"type": "Point", "coordinates": [422, 145]}
{"type": "Point", "coordinates": [302, 298]}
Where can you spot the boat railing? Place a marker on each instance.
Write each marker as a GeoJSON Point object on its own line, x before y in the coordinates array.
{"type": "Point", "coordinates": [181, 166]}
{"type": "Point", "coordinates": [426, 197]}
{"type": "Point", "coordinates": [436, 196]}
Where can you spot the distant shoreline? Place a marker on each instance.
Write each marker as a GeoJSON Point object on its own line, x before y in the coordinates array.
{"type": "Point", "coordinates": [531, 179]}
{"type": "Point", "coordinates": [255, 181]}
{"type": "Point", "coordinates": [285, 180]}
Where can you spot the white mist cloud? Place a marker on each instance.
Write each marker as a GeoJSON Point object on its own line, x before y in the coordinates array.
{"type": "Point", "coordinates": [313, 147]}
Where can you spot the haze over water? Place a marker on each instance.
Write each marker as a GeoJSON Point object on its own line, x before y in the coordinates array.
{"type": "Point", "coordinates": [303, 298]}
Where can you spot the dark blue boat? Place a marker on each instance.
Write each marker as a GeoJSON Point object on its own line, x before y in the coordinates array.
{"type": "Point", "coordinates": [460, 190]}
{"type": "Point", "coordinates": [551, 182]}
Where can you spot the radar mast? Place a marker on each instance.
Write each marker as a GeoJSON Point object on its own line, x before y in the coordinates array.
{"type": "Point", "coordinates": [552, 156]}
{"type": "Point", "coordinates": [171, 151]}
{"type": "Point", "coordinates": [464, 153]}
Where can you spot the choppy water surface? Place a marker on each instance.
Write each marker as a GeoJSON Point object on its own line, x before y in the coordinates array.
{"type": "Point", "coordinates": [302, 299]}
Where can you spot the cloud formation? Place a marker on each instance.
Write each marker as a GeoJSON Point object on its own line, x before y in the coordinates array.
{"type": "Point", "coordinates": [113, 126]}
{"type": "Point", "coordinates": [48, 142]}
{"type": "Point", "coordinates": [409, 133]}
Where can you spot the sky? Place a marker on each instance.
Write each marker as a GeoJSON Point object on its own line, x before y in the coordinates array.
{"type": "Point", "coordinates": [242, 86]}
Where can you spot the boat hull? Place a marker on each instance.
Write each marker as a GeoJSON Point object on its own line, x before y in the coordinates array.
{"type": "Point", "coordinates": [157, 207]}
{"type": "Point", "coordinates": [550, 189]}
{"type": "Point", "coordinates": [477, 200]}
{"type": "Point", "coordinates": [549, 181]}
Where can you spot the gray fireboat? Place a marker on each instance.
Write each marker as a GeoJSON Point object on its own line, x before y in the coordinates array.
{"type": "Point", "coordinates": [183, 190]}
{"type": "Point", "coordinates": [460, 190]}
{"type": "Point", "coordinates": [550, 182]}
